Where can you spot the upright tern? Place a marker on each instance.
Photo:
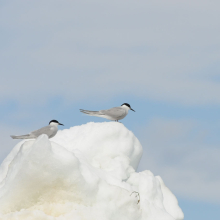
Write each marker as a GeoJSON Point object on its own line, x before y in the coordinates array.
{"type": "Point", "coordinates": [49, 130]}
{"type": "Point", "coordinates": [114, 114]}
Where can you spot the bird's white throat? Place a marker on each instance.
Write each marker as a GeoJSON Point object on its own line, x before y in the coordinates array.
{"type": "Point", "coordinates": [54, 124]}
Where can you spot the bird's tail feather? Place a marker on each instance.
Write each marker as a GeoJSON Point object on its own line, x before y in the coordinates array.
{"type": "Point", "coordinates": [26, 136]}
{"type": "Point", "coordinates": [89, 112]}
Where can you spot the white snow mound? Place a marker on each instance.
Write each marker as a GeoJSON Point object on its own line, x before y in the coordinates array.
{"type": "Point", "coordinates": [86, 172]}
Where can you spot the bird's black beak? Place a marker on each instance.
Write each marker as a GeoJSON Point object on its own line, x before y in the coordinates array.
{"type": "Point", "coordinates": [132, 110]}
{"type": "Point", "coordinates": [61, 124]}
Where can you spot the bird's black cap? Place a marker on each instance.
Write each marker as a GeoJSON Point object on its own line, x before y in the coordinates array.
{"type": "Point", "coordinates": [55, 121]}
{"type": "Point", "coordinates": [126, 105]}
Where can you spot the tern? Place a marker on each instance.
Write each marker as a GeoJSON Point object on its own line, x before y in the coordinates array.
{"type": "Point", "coordinates": [49, 130]}
{"type": "Point", "coordinates": [113, 114]}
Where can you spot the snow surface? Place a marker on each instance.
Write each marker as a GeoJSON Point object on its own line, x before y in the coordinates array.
{"type": "Point", "coordinates": [86, 172]}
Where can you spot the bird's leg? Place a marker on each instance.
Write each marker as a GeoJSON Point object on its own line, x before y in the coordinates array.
{"type": "Point", "coordinates": [138, 195]}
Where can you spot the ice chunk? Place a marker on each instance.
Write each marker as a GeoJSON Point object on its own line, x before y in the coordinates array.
{"type": "Point", "coordinates": [85, 172]}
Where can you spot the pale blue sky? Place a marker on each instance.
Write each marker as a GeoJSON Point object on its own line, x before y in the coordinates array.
{"type": "Point", "coordinates": [162, 57]}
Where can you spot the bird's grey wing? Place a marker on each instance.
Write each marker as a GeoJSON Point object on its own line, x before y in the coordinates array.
{"type": "Point", "coordinates": [48, 130]}
{"type": "Point", "coordinates": [88, 112]}
{"type": "Point", "coordinates": [26, 136]}
{"type": "Point", "coordinates": [113, 112]}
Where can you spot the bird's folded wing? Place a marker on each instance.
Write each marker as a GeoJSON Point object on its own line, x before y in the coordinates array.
{"type": "Point", "coordinates": [113, 112]}
{"type": "Point", "coordinates": [45, 130]}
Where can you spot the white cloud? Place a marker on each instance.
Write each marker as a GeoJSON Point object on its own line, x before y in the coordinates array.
{"type": "Point", "coordinates": [177, 151]}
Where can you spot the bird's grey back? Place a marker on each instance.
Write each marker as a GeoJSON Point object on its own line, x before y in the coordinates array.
{"type": "Point", "coordinates": [50, 131]}
{"type": "Point", "coordinates": [116, 112]}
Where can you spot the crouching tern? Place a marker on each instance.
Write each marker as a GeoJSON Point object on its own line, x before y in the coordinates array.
{"type": "Point", "coordinates": [113, 114]}
{"type": "Point", "coordinates": [49, 130]}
